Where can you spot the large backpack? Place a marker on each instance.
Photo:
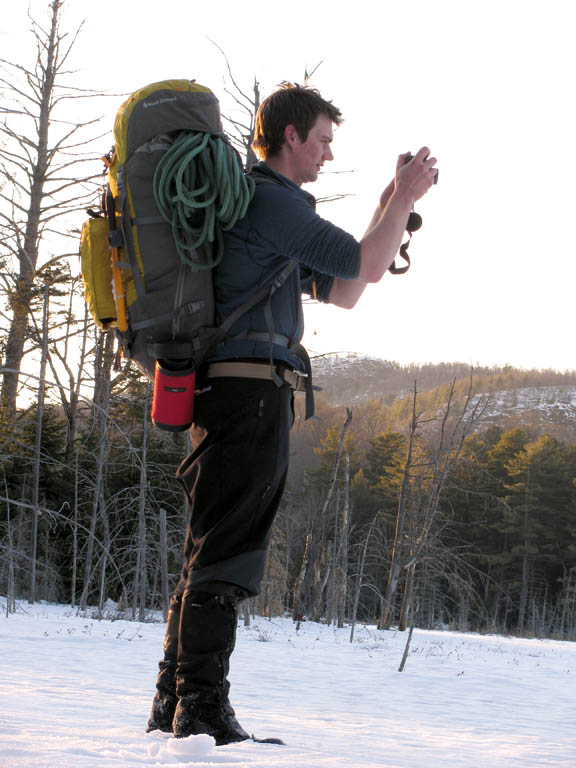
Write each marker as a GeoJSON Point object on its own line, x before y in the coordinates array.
{"type": "Point", "coordinates": [174, 183]}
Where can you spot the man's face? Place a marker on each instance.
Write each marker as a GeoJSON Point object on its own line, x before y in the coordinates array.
{"type": "Point", "coordinates": [310, 155]}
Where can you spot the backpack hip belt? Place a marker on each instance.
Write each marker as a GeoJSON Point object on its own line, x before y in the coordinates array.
{"type": "Point", "coordinates": [240, 370]}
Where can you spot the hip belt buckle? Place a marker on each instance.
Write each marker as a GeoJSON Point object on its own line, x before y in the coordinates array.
{"type": "Point", "coordinates": [294, 379]}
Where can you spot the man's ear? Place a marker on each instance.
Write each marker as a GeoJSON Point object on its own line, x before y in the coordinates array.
{"type": "Point", "coordinates": [291, 136]}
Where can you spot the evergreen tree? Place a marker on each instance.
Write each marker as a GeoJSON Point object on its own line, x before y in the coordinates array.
{"type": "Point", "coordinates": [385, 459]}
{"type": "Point", "coordinates": [541, 498]}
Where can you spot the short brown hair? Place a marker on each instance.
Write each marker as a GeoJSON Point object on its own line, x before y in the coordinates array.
{"type": "Point", "coordinates": [291, 104]}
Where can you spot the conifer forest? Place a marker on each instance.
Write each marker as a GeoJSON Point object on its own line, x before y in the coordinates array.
{"type": "Point", "coordinates": [412, 499]}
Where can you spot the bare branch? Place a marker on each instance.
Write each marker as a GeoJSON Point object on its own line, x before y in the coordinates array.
{"type": "Point", "coordinates": [13, 203]}
{"type": "Point", "coordinates": [235, 84]}
{"type": "Point", "coordinates": [309, 75]}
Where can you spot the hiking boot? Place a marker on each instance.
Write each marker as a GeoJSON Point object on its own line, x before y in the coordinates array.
{"type": "Point", "coordinates": [165, 700]}
{"type": "Point", "coordinates": [208, 712]}
{"type": "Point", "coordinates": [206, 640]}
{"type": "Point", "coordinates": [162, 713]}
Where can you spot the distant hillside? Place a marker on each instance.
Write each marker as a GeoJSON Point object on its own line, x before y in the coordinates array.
{"type": "Point", "coordinates": [534, 398]}
{"type": "Point", "coordinates": [348, 379]}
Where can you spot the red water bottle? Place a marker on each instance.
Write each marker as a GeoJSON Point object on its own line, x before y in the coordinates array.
{"type": "Point", "coordinates": [173, 399]}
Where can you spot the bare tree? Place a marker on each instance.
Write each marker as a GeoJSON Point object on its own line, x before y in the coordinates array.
{"type": "Point", "coordinates": [102, 392]}
{"type": "Point", "coordinates": [360, 575]}
{"type": "Point", "coordinates": [343, 565]}
{"type": "Point", "coordinates": [37, 454]}
{"type": "Point", "coordinates": [241, 125]}
{"type": "Point", "coordinates": [422, 487]}
{"type": "Point", "coordinates": [140, 580]}
{"type": "Point", "coordinates": [305, 578]}
{"type": "Point", "coordinates": [42, 177]}
{"type": "Point", "coordinates": [396, 559]}
{"type": "Point", "coordinates": [164, 563]}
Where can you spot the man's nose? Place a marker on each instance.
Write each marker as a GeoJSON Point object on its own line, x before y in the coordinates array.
{"type": "Point", "coordinates": [328, 153]}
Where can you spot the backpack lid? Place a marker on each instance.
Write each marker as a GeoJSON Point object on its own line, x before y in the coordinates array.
{"type": "Point", "coordinates": [169, 105]}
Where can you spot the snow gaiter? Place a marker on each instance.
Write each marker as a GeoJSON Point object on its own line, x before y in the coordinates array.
{"type": "Point", "coordinates": [165, 700]}
{"type": "Point", "coordinates": [206, 641]}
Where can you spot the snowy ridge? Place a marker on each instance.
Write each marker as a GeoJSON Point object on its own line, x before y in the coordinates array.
{"type": "Point", "coordinates": [323, 365]}
{"type": "Point", "coordinates": [75, 693]}
{"type": "Point", "coordinates": [554, 404]}
{"type": "Point", "coordinates": [348, 378]}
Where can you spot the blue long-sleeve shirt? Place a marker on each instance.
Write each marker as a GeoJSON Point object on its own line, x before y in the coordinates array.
{"type": "Point", "coordinates": [281, 224]}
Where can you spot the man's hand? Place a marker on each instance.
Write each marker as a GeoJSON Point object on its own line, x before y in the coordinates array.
{"type": "Point", "coordinates": [414, 179]}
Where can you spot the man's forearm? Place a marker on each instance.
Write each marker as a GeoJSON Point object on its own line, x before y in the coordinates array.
{"type": "Point", "coordinates": [378, 248]}
{"type": "Point", "coordinates": [380, 244]}
{"type": "Point", "coordinates": [384, 198]}
{"type": "Point", "coordinates": [345, 293]}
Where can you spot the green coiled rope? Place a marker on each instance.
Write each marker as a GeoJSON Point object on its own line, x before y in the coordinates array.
{"type": "Point", "coordinates": [201, 191]}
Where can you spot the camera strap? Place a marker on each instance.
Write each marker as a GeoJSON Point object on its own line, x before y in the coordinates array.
{"type": "Point", "coordinates": [412, 225]}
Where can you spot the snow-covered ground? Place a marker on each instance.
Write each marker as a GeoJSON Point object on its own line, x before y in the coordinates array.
{"type": "Point", "coordinates": [76, 692]}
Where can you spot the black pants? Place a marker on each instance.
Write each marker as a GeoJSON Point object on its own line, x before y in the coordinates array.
{"type": "Point", "coordinates": [234, 481]}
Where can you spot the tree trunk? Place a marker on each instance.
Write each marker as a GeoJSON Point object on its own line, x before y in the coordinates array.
{"type": "Point", "coordinates": [164, 563]}
{"type": "Point", "coordinates": [305, 576]}
{"type": "Point", "coordinates": [344, 548]}
{"type": "Point", "coordinates": [360, 578]}
{"type": "Point", "coordinates": [38, 453]}
{"type": "Point", "coordinates": [75, 536]}
{"type": "Point", "coordinates": [102, 392]}
{"type": "Point", "coordinates": [396, 564]}
{"type": "Point", "coordinates": [525, 562]}
{"type": "Point", "coordinates": [106, 542]}
{"type": "Point", "coordinates": [76, 383]}
{"type": "Point", "coordinates": [10, 592]}
{"type": "Point", "coordinates": [407, 600]}
{"type": "Point", "coordinates": [406, 649]}
{"type": "Point", "coordinates": [140, 581]}
{"type": "Point", "coordinates": [523, 592]}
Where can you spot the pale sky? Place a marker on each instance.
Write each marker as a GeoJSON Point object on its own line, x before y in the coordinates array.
{"type": "Point", "coordinates": [487, 86]}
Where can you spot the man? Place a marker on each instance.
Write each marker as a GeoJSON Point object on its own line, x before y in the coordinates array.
{"type": "Point", "coordinates": [235, 477]}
